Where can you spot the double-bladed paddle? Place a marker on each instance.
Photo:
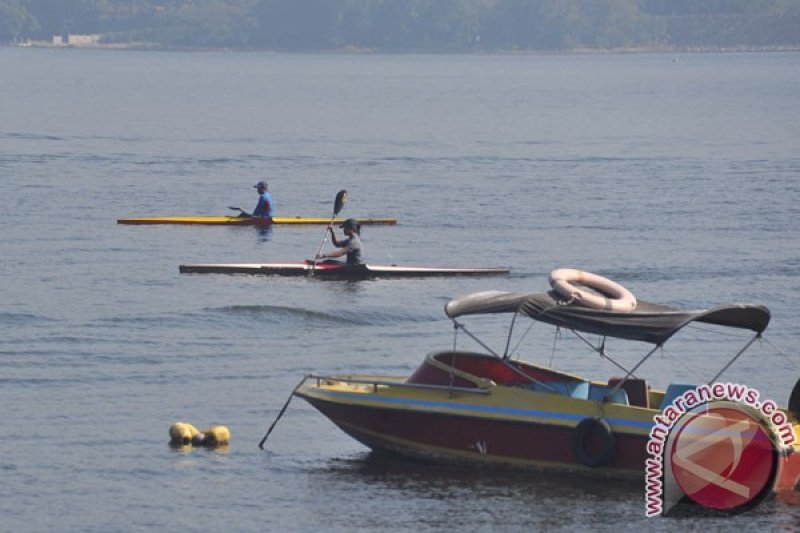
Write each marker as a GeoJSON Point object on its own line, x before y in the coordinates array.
{"type": "Point", "coordinates": [338, 204]}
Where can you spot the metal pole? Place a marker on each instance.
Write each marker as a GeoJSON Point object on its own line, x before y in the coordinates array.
{"type": "Point", "coordinates": [735, 357]}
{"type": "Point", "coordinates": [283, 410]}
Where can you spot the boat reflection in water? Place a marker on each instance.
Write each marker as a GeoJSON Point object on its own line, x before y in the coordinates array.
{"type": "Point", "coordinates": [423, 496]}
{"type": "Point", "coordinates": [488, 408]}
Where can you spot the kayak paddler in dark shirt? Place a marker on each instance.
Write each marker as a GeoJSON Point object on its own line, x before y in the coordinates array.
{"type": "Point", "coordinates": [351, 245]}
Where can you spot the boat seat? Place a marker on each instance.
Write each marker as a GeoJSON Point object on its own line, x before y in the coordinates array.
{"type": "Point", "coordinates": [638, 390]}
{"type": "Point", "coordinates": [581, 390]}
{"type": "Point", "coordinates": [673, 391]}
{"type": "Point", "coordinates": [598, 393]}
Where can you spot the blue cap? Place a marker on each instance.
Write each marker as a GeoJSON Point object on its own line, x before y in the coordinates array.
{"type": "Point", "coordinates": [260, 185]}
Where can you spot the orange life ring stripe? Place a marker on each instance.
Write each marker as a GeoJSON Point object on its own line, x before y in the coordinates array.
{"type": "Point", "coordinates": [614, 296]}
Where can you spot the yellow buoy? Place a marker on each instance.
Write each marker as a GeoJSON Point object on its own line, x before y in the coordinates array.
{"type": "Point", "coordinates": [212, 437]}
{"type": "Point", "coordinates": [181, 433]}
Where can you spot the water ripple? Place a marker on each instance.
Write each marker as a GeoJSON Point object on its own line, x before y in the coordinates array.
{"type": "Point", "coordinates": [23, 318]}
{"type": "Point", "coordinates": [361, 317]}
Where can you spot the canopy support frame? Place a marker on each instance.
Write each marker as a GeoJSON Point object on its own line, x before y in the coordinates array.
{"type": "Point", "coordinates": [459, 325]}
{"type": "Point", "coordinates": [602, 351]}
{"type": "Point", "coordinates": [735, 357]}
{"type": "Point", "coordinates": [631, 372]}
{"type": "Point", "coordinates": [510, 332]}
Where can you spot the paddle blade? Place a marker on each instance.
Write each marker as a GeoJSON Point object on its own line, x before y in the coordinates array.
{"type": "Point", "coordinates": [341, 198]}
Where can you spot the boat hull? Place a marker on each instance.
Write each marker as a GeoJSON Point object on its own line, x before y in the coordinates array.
{"type": "Point", "coordinates": [336, 270]}
{"type": "Point", "coordinates": [248, 221]}
{"type": "Point", "coordinates": [497, 424]}
{"type": "Point", "coordinates": [442, 437]}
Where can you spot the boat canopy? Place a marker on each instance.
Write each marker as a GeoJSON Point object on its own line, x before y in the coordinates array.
{"type": "Point", "coordinates": [649, 322]}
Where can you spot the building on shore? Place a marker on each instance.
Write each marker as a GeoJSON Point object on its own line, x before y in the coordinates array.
{"type": "Point", "coordinates": [74, 39]}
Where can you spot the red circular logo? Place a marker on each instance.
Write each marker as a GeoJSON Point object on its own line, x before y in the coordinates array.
{"type": "Point", "coordinates": [724, 458]}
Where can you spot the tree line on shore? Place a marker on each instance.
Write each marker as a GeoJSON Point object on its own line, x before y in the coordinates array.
{"type": "Point", "coordinates": [411, 25]}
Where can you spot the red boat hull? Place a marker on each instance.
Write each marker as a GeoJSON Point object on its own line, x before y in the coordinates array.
{"type": "Point", "coordinates": [429, 435]}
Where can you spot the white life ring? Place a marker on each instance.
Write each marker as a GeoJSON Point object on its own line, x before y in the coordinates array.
{"type": "Point", "coordinates": [615, 297]}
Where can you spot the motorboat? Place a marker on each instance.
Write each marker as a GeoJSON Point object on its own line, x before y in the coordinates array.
{"type": "Point", "coordinates": [490, 407]}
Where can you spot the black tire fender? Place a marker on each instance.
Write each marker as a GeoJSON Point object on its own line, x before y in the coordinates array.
{"type": "Point", "coordinates": [794, 401]}
{"type": "Point", "coordinates": [580, 437]}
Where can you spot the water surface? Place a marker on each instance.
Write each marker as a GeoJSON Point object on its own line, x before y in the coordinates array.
{"type": "Point", "coordinates": [677, 176]}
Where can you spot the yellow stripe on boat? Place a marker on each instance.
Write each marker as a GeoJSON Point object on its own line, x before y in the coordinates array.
{"type": "Point", "coordinates": [495, 402]}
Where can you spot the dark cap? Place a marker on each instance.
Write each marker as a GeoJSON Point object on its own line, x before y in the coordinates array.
{"type": "Point", "coordinates": [260, 185]}
{"type": "Point", "coordinates": [350, 223]}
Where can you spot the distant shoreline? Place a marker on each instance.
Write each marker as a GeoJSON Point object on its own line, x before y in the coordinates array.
{"type": "Point", "coordinates": [143, 46]}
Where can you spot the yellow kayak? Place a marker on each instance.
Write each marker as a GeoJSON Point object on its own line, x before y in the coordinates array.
{"type": "Point", "coordinates": [250, 221]}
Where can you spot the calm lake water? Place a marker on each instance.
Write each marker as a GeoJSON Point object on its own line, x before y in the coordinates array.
{"type": "Point", "coordinates": [678, 176]}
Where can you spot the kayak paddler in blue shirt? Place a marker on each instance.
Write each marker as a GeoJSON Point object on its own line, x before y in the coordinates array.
{"type": "Point", "coordinates": [350, 245]}
{"type": "Point", "coordinates": [264, 206]}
